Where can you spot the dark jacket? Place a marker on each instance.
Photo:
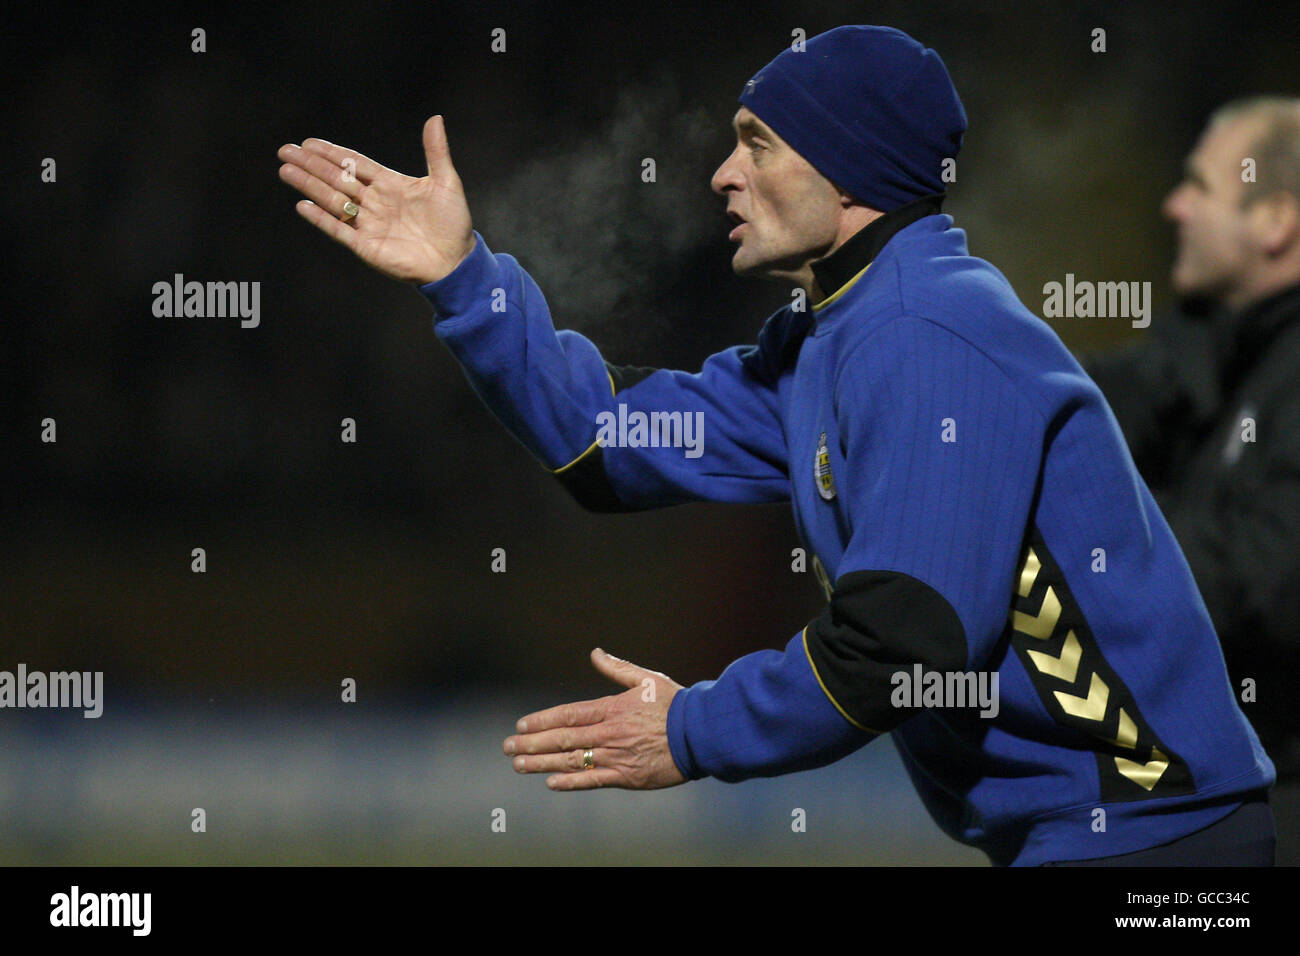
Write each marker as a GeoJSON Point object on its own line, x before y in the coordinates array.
{"type": "Point", "coordinates": [1185, 398]}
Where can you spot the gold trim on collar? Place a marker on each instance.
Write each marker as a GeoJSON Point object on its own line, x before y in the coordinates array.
{"type": "Point", "coordinates": [841, 290]}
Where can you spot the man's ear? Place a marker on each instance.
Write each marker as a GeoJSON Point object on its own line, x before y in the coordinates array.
{"type": "Point", "coordinates": [1275, 220]}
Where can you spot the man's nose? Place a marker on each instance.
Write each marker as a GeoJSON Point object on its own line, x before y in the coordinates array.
{"type": "Point", "coordinates": [1174, 204]}
{"type": "Point", "coordinates": [726, 175]}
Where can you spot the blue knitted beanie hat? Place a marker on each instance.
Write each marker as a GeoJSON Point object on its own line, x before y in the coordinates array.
{"type": "Point", "coordinates": [870, 108]}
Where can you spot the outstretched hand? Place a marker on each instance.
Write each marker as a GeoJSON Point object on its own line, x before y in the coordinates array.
{"type": "Point", "coordinates": [627, 734]}
{"type": "Point", "coordinates": [413, 229]}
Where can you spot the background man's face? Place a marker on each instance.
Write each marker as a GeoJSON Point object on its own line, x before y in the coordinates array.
{"type": "Point", "coordinates": [1215, 247]}
{"type": "Point", "coordinates": [790, 209]}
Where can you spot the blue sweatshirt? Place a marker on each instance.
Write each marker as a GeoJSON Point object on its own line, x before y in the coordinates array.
{"type": "Point", "coordinates": [973, 514]}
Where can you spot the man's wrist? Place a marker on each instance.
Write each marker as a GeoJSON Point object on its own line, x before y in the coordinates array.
{"type": "Point", "coordinates": [469, 250]}
{"type": "Point", "coordinates": [678, 748]}
{"type": "Point", "coordinates": [461, 291]}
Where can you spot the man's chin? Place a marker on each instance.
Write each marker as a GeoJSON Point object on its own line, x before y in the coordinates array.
{"type": "Point", "coordinates": [1181, 284]}
{"type": "Point", "coordinates": [751, 268]}
{"type": "Point", "coordinates": [743, 265]}
{"type": "Point", "coordinates": [1188, 288]}
{"type": "Point", "coordinates": [1195, 299]}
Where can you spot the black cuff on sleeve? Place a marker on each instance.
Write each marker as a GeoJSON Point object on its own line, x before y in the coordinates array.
{"type": "Point", "coordinates": [877, 624]}
{"type": "Point", "coordinates": [587, 479]}
{"type": "Point", "coordinates": [589, 484]}
{"type": "Point", "coordinates": [625, 376]}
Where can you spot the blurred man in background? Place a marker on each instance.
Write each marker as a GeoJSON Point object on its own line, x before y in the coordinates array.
{"type": "Point", "coordinates": [1210, 405]}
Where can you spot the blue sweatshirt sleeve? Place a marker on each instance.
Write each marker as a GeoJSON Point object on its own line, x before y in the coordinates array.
{"type": "Point", "coordinates": [672, 437]}
{"type": "Point", "coordinates": [765, 715]}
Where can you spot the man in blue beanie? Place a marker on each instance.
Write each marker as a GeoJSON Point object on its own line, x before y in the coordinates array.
{"type": "Point", "coordinates": [1003, 594]}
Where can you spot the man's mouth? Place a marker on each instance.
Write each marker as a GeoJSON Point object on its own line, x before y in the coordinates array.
{"type": "Point", "coordinates": [740, 224]}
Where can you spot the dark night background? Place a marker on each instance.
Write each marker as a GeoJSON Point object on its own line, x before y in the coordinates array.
{"type": "Point", "coordinates": [371, 560]}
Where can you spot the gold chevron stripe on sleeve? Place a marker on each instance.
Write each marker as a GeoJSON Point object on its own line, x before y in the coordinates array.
{"type": "Point", "coordinates": [1042, 624]}
{"type": "Point", "coordinates": [1145, 775]}
{"type": "Point", "coordinates": [1092, 707]}
{"type": "Point", "coordinates": [1029, 573]}
{"type": "Point", "coordinates": [1127, 735]}
{"type": "Point", "coordinates": [1064, 667]}
{"type": "Point", "coordinates": [1079, 663]}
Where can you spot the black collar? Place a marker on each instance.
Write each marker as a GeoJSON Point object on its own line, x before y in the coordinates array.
{"type": "Point", "coordinates": [834, 271]}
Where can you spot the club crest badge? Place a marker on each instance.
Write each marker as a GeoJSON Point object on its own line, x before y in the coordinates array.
{"type": "Point", "coordinates": [822, 470]}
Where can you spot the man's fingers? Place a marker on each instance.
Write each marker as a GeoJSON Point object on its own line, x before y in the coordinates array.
{"type": "Point", "coordinates": [437, 153]}
{"type": "Point", "coordinates": [556, 741]}
{"type": "Point", "coordinates": [365, 169]}
{"type": "Point", "coordinates": [570, 761]}
{"type": "Point", "coordinates": [322, 195]}
{"type": "Point", "coordinates": [579, 714]}
{"type": "Point", "coordinates": [326, 223]}
{"type": "Point", "coordinates": [586, 780]}
{"type": "Point", "coordinates": [620, 671]}
{"type": "Point", "coordinates": [321, 168]}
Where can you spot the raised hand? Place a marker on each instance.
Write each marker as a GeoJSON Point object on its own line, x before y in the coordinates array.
{"type": "Point", "coordinates": [627, 735]}
{"type": "Point", "coordinates": [413, 229]}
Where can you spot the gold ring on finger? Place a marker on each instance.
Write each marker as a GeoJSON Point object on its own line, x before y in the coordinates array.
{"type": "Point", "coordinates": [350, 209]}
{"type": "Point", "coordinates": [588, 759]}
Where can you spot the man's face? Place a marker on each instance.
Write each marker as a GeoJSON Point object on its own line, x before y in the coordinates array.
{"type": "Point", "coordinates": [790, 210]}
{"type": "Point", "coordinates": [1215, 245]}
